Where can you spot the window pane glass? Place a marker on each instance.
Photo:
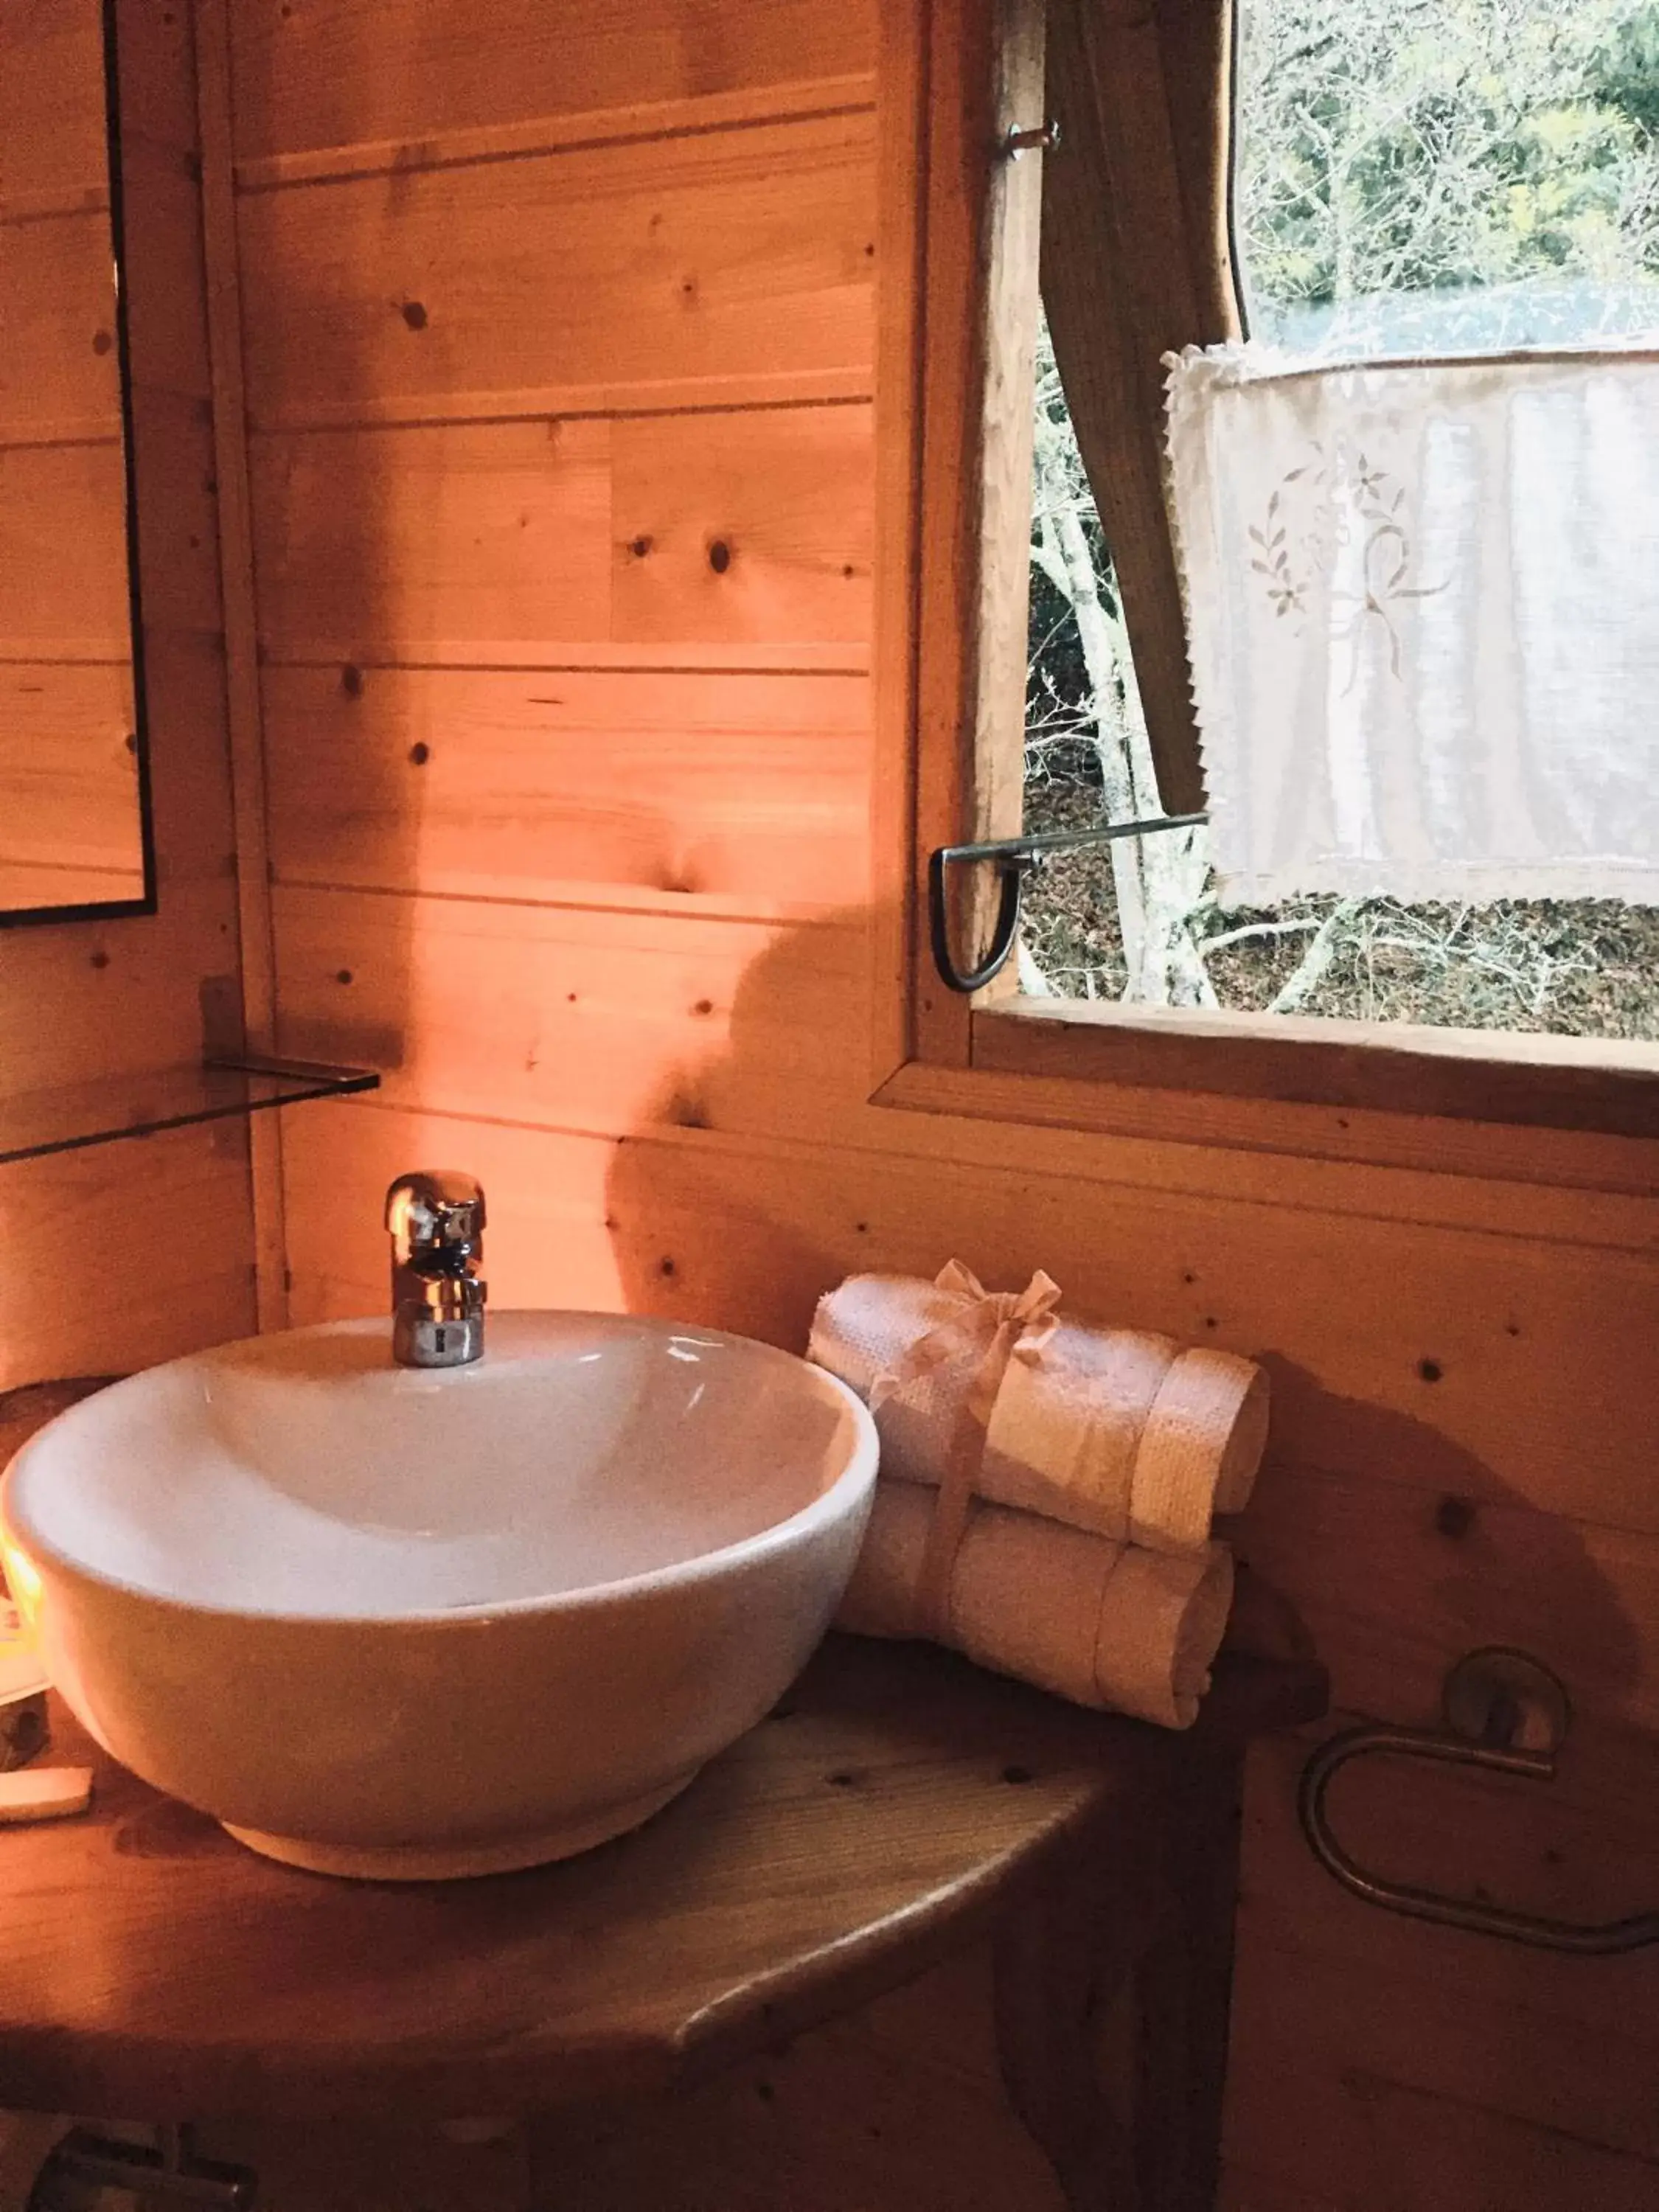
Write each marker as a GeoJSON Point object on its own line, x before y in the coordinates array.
{"type": "Point", "coordinates": [1144, 925]}
{"type": "Point", "coordinates": [1438, 176]}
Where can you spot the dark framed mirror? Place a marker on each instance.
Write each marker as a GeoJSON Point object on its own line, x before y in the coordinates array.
{"type": "Point", "coordinates": [75, 837]}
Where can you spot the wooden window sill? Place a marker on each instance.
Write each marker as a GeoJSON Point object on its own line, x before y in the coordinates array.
{"type": "Point", "coordinates": [1600, 1084]}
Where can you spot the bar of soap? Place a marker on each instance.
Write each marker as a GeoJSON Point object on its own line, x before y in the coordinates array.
{"type": "Point", "coordinates": [44, 1793]}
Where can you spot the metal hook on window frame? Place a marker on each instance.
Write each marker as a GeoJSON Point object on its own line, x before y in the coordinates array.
{"type": "Point", "coordinates": [1015, 859]}
{"type": "Point", "coordinates": [1041, 137]}
{"type": "Point", "coordinates": [1498, 1674]}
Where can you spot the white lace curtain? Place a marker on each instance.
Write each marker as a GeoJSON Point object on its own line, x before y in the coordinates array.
{"type": "Point", "coordinates": [1423, 604]}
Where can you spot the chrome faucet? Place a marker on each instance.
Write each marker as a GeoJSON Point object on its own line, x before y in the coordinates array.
{"type": "Point", "coordinates": [436, 1218]}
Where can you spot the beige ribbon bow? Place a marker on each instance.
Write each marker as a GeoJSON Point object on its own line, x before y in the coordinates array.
{"type": "Point", "coordinates": [997, 1326]}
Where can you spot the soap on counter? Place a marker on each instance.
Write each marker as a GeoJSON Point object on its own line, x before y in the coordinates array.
{"type": "Point", "coordinates": [44, 1793]}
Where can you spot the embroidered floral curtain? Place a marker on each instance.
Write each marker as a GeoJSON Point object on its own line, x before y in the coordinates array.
{"type": "Point", "coordinates": [1423, 607]}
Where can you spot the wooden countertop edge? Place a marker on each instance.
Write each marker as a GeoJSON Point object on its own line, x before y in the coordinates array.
{"type": "Point", "coordinates": [47, 2071]}
{"type": "Point", "coordinates": [542, 2064]}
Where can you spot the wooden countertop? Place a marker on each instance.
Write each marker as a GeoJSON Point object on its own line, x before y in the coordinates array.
{"type": "Point", "coordinates": [896, 1796]}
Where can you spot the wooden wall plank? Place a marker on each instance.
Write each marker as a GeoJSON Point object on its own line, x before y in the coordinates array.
{"type": "Point", "coordinates": [189, 785]}
{"type": "Point", "coordinates": [1394, 2149]}
{"type": "Point", "coordinates": [347, 2165]}
{"type": "Point", "coordinates": [1545, 1842]}
{"type": "Point", "coordinates": [158, 82]}
{"type": "Point", "coordinates": [826, 2122]}
{"type": "Point", "coordinates": [503, 542]}
{"type": "Point", "coordinates": [100, 998]}
{"type": "Point", "coordinates": [738, 792]}
{"type": "Point", "coordinates": [598, 1021]}
{"type": "Point", "coordinates": [1244, 2192]}
{"type": "Point", "coordinates": [81, 1295]}
{"type": "Point", "coordinates": [757, 1228]}
{"type": "Point", "coordinates": [1321, 1139]}
{"type": "Point", "coordinates": [1350, 2004]}
{"type": "Point", "coordinates": [407, 296]}
{"type": "Point", "coordinates": [244, 733]}
{"type": "Point", "coordinates": [355, 72]}
{"type": "Point", "coordinates": [495, 536]}
{"type": "Point", "coordinates": [178, 525]}
{"type": "Point", "coordinates": [1395, 1572]}
{"type": "Point", "coordinates": [758, 528]}
{"type": "Point", "coordinates": [550, 1248]}
{"type": "Point", "coordinates": [104, 998]}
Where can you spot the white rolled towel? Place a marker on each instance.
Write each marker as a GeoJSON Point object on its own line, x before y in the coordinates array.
{"type": "Point", "coordinates": [1102, 1624]}
{"type": "Point", "coordinates": [1119, 1431]}
{"type": "Point", "coordinates": [863, 1329]}
{"type": "Point", "coordinates": [1128, 1434]}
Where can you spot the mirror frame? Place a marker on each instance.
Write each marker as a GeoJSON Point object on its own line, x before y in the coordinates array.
{"type": "Point", "coordinates": [119, 909]}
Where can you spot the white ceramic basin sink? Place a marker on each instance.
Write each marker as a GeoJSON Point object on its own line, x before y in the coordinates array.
{"type": "Point", "coordinates": [408, 1624]}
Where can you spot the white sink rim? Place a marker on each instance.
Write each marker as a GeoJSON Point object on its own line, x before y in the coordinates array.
{"type": "Point", "coordinates": [21, 1531]}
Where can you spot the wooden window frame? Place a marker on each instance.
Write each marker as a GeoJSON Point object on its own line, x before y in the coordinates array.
{"type": "Point", "coordinates": [959, 225]}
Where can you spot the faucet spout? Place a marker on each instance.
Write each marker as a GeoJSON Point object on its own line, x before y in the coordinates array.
{"type": "Point", "coordinates": [436, 1220]}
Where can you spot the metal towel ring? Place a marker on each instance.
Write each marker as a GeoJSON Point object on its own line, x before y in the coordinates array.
{"type": "Point", "coordinates": [1504, 1711]}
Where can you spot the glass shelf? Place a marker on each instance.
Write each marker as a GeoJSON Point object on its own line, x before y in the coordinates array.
{"type": "Point", "coordinates": [63, 1121]}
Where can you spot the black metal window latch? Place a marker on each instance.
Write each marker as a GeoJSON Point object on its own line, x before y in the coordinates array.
{"type": "Point", "coordinates": [1014, 858]}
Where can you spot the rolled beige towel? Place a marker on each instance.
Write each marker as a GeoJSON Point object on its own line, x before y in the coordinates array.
{"type": "Point", "coordinates": [1128, 1435]}
{"type": "Point", "coordinates": [1119, 1431]}
{"type": "Point", "coordinates": [1102, 1624]}
{"type": "Point", "coordinates": [863, 1329]}
{"type": "Point", "coordinates": [1067, 1424]}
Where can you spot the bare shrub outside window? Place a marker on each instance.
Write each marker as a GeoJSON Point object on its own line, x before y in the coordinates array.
{"type": "Point", "coordinates": [1429, 177]}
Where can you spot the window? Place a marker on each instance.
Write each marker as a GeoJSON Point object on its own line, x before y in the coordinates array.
{"type": "Point", "coordinates": [1447, 176]}
{"type": "Point", "coordinates": [1443, 176]}
{"type": "Point", "coordinates": [1437, 178]}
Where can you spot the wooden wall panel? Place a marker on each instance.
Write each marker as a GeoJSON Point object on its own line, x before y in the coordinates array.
{"type": "Point", "coordinates": [741, 792]}
{"type": "Point", "coordinates": [406, 296]}
{"type": "Point", "coordinates": [89, 1294]}
{"type": "Point", "coordinates": [503, 542]}
{"type": "Point", "coordinates": [568, 763]}
{"type": "Point", "coordinates": [1394, 1569]}
{"type": "Point", "coordinates": [1355, 1400]}
{"type": "Point", "coordinates": [488, 539]}
{"type": "Point", "coordinates": [757, 531]}
{"type": "Point", "coordinates": [584, 1021]}
{"type": "Point", "coordinates": [359, 74]}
